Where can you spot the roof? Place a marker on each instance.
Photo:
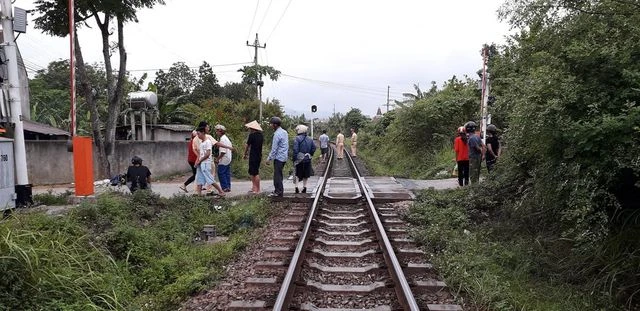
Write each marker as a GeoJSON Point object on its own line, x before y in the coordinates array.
{"type": "Point", "coordinates": [40, 128]}
{"type": "Point", "coordinates": [176, 127]}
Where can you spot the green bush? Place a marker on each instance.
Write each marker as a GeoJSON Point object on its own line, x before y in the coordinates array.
{"type": "Point", "coordinates": [125, 252]}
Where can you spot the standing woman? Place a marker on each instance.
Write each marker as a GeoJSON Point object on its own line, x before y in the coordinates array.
{"type": "Point", "coordinates": [191, 159]}
{"type": "Point", "coordinates": [462, 156]}
{"type": "Point", "coordinates": [303, 149]}
{"type": "Point", "coordinates": [253, 149]}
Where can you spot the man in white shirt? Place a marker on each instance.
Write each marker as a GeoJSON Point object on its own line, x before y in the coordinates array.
{"type": "Point", "coordinates": [324, 145]}
{"type": "Point", "coordinates": [224, 159]}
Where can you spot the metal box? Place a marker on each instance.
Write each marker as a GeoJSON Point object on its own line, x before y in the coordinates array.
{"type": "Point", "coordinates": [7, 175]}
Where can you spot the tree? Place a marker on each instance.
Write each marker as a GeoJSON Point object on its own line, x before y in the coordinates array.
{"type": "Point", "coordinates": [53, 20]}
{"type": "Point", "coordinates": [207, 86]}
{"type": "Point", "coordinates": [354, 119]}
{"type": "Point", "coordinates": [49, 96]}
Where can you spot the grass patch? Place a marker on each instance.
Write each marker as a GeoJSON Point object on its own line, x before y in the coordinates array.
{"type": "Point", "coordinates": [127, 252]}
{"type": "Point", "coordinates": [50, 198]}
{"type": "Point", "coordinates": [382, 161]}
{"type": "Point", "coordinates": [497, 269]}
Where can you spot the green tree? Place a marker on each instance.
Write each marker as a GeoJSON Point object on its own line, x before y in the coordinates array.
{"type": "Point", "coordinates": [567, 87]}
{"type": "Point", "coordinates": [354, 119]}
{"type": "Point", "coordinates": [53, 20]}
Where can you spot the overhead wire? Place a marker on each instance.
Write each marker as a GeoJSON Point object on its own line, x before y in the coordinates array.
{"type": "Point", "coordinates": [363, 89]}
{"type": "Point", "coordinates": [266, 12]}
{"type": "Point", "coordinates": [278, 22]}
{"type": "Point", "coordinates": [255, 12]}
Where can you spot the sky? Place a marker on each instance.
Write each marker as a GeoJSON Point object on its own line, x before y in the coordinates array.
{"type": "Point", "coordinates": [336, 54]}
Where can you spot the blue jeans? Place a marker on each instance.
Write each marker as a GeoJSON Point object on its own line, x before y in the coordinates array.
{"type": "Point", "coordinates": [224, 175]}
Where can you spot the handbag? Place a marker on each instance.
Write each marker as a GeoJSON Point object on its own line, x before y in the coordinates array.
{"type": "Point", "coordinates": [454, 172]}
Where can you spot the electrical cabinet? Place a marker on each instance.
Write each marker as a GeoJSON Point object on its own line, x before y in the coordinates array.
{"type": "Point", "coordinates": [7, 175]}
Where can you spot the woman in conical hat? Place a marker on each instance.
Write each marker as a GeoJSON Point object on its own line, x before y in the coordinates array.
{"type": "Point", "coordinates": [253, 151]}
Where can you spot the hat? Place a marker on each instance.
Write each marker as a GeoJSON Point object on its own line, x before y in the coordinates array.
{"type": "Point", "coordinates": [220, 127]}
{"type": "Point", "coordinates": [301, 129]}
{"type": "Point", "coordinates": [254, 125]}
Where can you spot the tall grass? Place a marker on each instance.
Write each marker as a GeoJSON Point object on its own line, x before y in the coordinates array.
{"type": "Point", "coordinates": [127, 252]}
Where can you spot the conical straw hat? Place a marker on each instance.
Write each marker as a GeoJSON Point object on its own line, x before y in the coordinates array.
{"type": "Point", "coordinates": [254, 125]}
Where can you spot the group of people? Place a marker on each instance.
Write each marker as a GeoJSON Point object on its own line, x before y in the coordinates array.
{"type": "Point", "coordinates": [303, 150]}
{"type": "Point", "coordinates": [204, 165]}
{"type": "Point", "coordinates": [471, 150]}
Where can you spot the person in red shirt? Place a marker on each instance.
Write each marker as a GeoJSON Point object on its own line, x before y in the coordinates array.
{"type": "Point", "coordinates": [461, 149]}
{"type": "Point", "coordinates": [191, 159]}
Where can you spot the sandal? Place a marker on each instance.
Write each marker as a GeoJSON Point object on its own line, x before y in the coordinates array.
{"type": "Point", "coordinates": [183, 188]}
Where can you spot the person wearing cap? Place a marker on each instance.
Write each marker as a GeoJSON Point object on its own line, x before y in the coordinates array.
{"type": "Point", "coordinates": [354, 142]}
{"type": "Point", "coordinates": [279, 153]}
{"type": "Point", "coordinates": [340, 145]}
{"type": "Point", "coordinates": [253, 150]}
{"type": "Point", "coordinates": [191, 159]}
{"type": "Point", "coordinates": [476, 151]}
{"type": "Point", "coordinates": [138, 176]}
{"type": "Point", "coordinates": [224, 159]}
{"type": "Point", "coordinates": [303, 150]}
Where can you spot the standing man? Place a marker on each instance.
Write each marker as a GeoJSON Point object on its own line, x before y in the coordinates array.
{"type": "Point", "coordinates": [340, 145]}
{"type": "Point", "coordinates": [279, 152]}
{"type": "Point", "coordinates": [324, 145]}
{"type": "Point", "coordinates": [476, 151]}
{"type": "Point", "coordinates": [354, 142]}
{"type": "Point", "coordinates": [254, 150]}
{"type": "Point", "coordinates": [224, 159]}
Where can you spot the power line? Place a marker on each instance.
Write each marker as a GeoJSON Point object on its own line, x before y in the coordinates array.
{"type": "Point", "coordinates": [278, 22]}
{"type": "Point", "coordinates": [375, 91]}
{"type": "Point", "coordinates": [254, 18]}
{"type": "Point", "coordinates": [191, 67]}
{"type": "Point", "coordinates": [264, 16]}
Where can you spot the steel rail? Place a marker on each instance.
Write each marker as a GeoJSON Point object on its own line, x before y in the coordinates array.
{"type": "Point", "coordinates": [404, 292]}
{"type": "Point", "coordinates": [288, 284]}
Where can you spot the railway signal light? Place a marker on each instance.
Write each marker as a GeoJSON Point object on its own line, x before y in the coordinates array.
{"type": "Point", "coordinates": [314, 108]}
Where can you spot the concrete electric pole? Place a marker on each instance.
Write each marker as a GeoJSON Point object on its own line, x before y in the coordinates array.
{"type": "Point", "coordinates": [256, 45]}
{"type": "Point", "coordinates": [388, 88]}
{"type": "Point", "coordinates": [485, 94]}
{"type": "Point", "coordinates": [12, 84]}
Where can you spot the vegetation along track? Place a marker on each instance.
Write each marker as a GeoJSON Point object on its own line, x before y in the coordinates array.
{"type": "Point", "coordinates": [350, 255]}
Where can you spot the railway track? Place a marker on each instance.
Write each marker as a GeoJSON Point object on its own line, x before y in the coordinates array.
{"type": "Point", "coordinates": [344, 253]}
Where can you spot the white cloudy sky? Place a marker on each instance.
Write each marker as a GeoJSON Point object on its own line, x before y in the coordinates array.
{"type": "Point", "coordinates": [333, 53]}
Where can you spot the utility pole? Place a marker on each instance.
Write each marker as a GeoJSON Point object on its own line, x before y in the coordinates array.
{"type": "Point", "coordinates": [485, 95]}
{"type": "Point", "coordinates": [388, 87]}
{"type": "Point", "coordinates": [256, 45]}
{"type": "Point", "coordinates": [12, 84]}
